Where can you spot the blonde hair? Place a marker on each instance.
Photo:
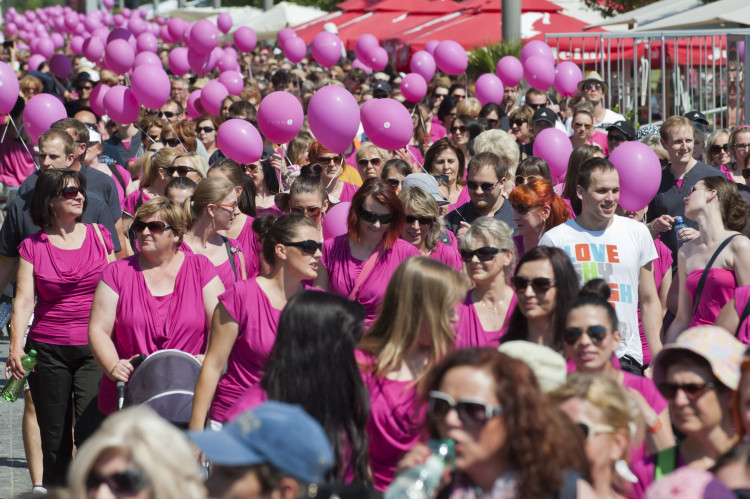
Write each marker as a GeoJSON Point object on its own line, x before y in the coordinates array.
{"type": "Point", "coordinates": [422, 204]}
{"type": "Point", "coordinates": [470, 106]}
{"type": "Point", "coordinates": [501, 144]}
{"type": "Point", "coordinates": [366, 147]}
{"type": "Point", "coordinates": [494, 232]}
{"type": "Point", "coordinates": [209, 191]}
{"type": "Point", "coordinates": [298, 146]}
{"type": "Point", "coordinates": [162, 158]}
{"type": "Point", "coordinates": [434, 291]}
{"type": "Point", "coordinates": [196, 161]}
{"type": "Point", "coordinates": [170, 212]}
{"type": "Point", "coordinates": [158, 449]}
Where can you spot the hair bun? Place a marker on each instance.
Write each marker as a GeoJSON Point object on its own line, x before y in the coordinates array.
{"type": "Point", "coordinates": [596, 287]}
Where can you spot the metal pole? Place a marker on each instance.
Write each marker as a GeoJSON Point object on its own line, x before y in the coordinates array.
{"type": "Point", "coordinates": [635, 76]}
{"type": "Point", "coordinates": [511, 18]}
{"type": "Point", "coordinates": [664, 81]}
{"type": "Point", "coordinates": [746, 78]}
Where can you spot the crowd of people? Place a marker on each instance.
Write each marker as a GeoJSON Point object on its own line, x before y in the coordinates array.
{"type": "Point", "coordinates": [567, 346]}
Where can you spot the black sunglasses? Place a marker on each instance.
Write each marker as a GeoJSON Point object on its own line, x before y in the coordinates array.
{"type": "Point", "coordinates": [461, 129]}
{"type": "Point", "coordinates": [492, 123]}
{"type": "Point", "coordinates": [168, 114]}
{"type": "Point", "coordinates": [364, 162]}
{"type": "Point", "coordinates": [572, 334]}
{"type": "Point", "coordinates": [594, 86]}
{"type": "Point", "coordinates": [538, 284]}
{"type": "Point", "coordinates": [84, 87]}
{"type": "Point", "coordinates": [308, 247]}
{"type": "Point", "coordinates": [536, 106]}
{"type": "Point", "coordinates": [311, 211]}
{"type": "Point", "coordinates": [522, 209]}
{"type": "Point", "coordinates": [124, 483]}
{"type": "Point", "coordinates": [616, 137]}
{"type": "Point", "coordinates": [692, 390]}
{"type": "Point", "coordinates": [207, 129]}
{"type": "Point", "coordinates": [181, 171]}
{"type": "Point", "coordinates": [155, 227]}
{"type": "Point", "coordinates": [71, 192]}
{"type": "Point", "coordinates": [371, 217]}
{"type": "Point", "coordinates": [395, 183]}
{"type": "Point", "coordinates": [518, 123]}
{"type": "Point", "coordinates": [327, 159]}
{"type": "Point", "coordinates": [471, 411]}
{"type": "Point", "coordinates": [483, 254]}
{"type": "Point", "coordinates": [410, 219]}
{"type": "Point", "coordinates": [171, 142]}
{"type": "Point", "coordinates": [716, 149]}
{"type": "Point", "coordinates": [486, 186]}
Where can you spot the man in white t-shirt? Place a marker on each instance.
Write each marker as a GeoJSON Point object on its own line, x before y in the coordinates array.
{"type": "Point", "coordinates": [616, 249]}
{"type": "Point", "coordinates": [593, 88]}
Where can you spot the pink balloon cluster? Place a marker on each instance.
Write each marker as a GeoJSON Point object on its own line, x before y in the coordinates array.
{"type": "Point", "coordinates": [538, 65]}
{"type": "Point", "coordinates": [369, 52]}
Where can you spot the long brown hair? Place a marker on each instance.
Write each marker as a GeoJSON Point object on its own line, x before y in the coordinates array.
{"type": "Point", "coordinates": [383, 193]}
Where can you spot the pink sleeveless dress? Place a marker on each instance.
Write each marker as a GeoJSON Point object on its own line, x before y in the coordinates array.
{"type": "Point", "coordinates": [717, 291]}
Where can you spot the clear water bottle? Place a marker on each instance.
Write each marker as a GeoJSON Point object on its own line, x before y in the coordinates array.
{"type": "Point", "coordinates": [678, 226]}
{"type": "Point", "coordinates": [14, 387]}
{"type": "Point", "coordinates": [6, 311]}
{"type": "Point", "coordinates": [421, 481]}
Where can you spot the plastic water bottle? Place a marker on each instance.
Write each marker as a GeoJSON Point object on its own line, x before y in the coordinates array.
{"type": "Point", "coordinates": [421, 481]}
{"type": "Point", "coordinates": [6, 311]}
{"type": "Point", "coordinates": [678, 226]}
{"type": "Point", "coordinates": [14, 387]}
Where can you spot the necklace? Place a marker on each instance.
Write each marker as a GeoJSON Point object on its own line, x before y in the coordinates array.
{"type": "Point", "coordinates": [493, 309]}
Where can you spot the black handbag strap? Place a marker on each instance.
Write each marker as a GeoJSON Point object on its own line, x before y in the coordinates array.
{"type": "Point", "coordinates": [231, 258]}
{"type": "Point", "coordinates": [743, 316]}
{"type": "Point", "coordinates": [704, 275]}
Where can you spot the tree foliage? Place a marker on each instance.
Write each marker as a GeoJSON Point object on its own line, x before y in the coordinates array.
{"type": "Point", "coordinates": [610, 8]}
{"type": "Point", "coordinates": [484, 59]}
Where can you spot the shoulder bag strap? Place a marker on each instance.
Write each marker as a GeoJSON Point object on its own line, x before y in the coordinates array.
{"type": "Point", "coordinates": [366, 271]}
{"type": "Point", "coordinates": [704, 275]}
{"type": "Point", "coordinates": [231, 257]}
{"type": "Point", "coordinates": [113, 168]}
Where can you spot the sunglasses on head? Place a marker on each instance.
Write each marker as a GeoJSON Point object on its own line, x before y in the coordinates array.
{"type": "Point", "coordinates": [538, 284]}
{"type": "Point", "coordinates": [364, 162]}
{"type": "Point", "coordinates": [328, 159]}
{"type": "Point", "coordinates": [483, 254]}
{"type": "Point", "coordinates": [171, 142]}
{"type": "Point", "coordinates": [410, 219]}
{"type": "Point", "coordinates": [591, 430]}
{"type": "Point", "coordinates": [692, 390]}
{"type": "Point", "coordinates": [518, 123]}
{"type": "Point", "coordinates": [572, 334]}
{"type": "Point", "coordinates": [486, 186]}
{"type": "Point", "coordinates": [125, 483]}
{"type": "Point", "coordinates": [206, 129]}
{"type": "Point", "coordinates": [716, 149]}
{"type": "Point", "coordinates": [168, 114]}
{"type": "Point", "coordinates": [309, 247]}
{"type": "Point", "coordinates": [395, 183]}
{"type": "Point", "coordinates": [593, 86]}
{"type": "Point", "coordinates": [461, 128]}
{"type": "Point", "coordinates": [155, 227]}
{"type": "Point", "coordinates": [181, 171]}
{"type": "Point", "coordinates": [310, 211]}
{"type": "Point", "coordinates": [522, 209]}
{"type": "Point", "coordinates": [471, 411]}
{"type": "Point", "coordinates": [371, 217]}
{"type": "Point", "coordinates": [71, 192]}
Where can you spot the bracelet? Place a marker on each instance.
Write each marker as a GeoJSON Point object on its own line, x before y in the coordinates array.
{"type": "Point", "coordinates": [655, 427]}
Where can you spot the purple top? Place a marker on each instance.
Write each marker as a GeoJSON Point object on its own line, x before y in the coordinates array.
{"type": "Point", "coordinates": [347, 193]}
{"type": "Point", "coordinates": [248, 401]}
{"type": "Point", "coordinates": [251, 247]}
{"type": "Point", "coordinates": [271, 210]}
{"type": "Point", "coordinates": [437, 130]}
{"type": "Point", "coordinates": [463, 198]}
{"type": "Point", "coordinates": [224, 270]}
{"type": "Point", "coordinates": [64, 284]}
{"type": "Point", "coordinates": [343, 271]}
{"type": "Point", "coordinates": [447, 255]}
{"type": "Point", "coordinates": [741, 297]}
{"type": "Point", "coordinates": [469, 330]}
{"type": "Point", "coordinates": [129, 204]}
{"type": "Point", "coordinates": [717, 291]}
{"type": "Point", "coordinates": [600, 139]}
{"type": "Point", "coordinates": [257, 320]}
{"type": "Point", "coordinates": [662, 264]}
{"type": "Point", "coordinates": [15, 163]}
{"type": "Point", "coordinates": [137, 327]}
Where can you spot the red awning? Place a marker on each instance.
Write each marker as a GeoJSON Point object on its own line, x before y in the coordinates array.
{"type": "Point", "coordinates": [417, 6]}
{"type": "Point", "coordinates": [308, 30]}
{"type": "Point", "coordinates": [526, 5]}
{"type": "Point", "coordinates": [383, 25]}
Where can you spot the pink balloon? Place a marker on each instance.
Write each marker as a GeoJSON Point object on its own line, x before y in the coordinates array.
{"type": "Point", "coordinates": [212, 96]}
{"type": "Point", "coordinates": [57, 39]}
{"type": "Point", "coordinates": [147, 42]}
{"type": "Point", "coordinates": [224, 21]}
{"type": "Point", "coordinates": [9, 85]}
{"type": "Point", "coordinates": [387, 124]}
{"type": "Point", "coordinates": [150, 84]}
{"type": "Point", "coordinates": [232, 81]}
{"type": "Point", "coordinates": [199, 63]}
{"type": "Point", "coordinates": [431, 46]}
{"type": "Point", "coordinates": [93, 48]}
{"type": "Point", "coordinates": [147, 58]}
{"type": "Point", "coordinates": [71, 20]}
{"type": "Point", "coordinates": [178, 61]}
{"type": "Point", "coordinates": [194, 106]}
{"type": "Point", "coordinates": [489, 88]}
{"type": "Point", "coordinates": [280, 117]}
{"type": "Point", "coordinates": [539, 72]}
{"type": "Point", "coordinates": [119, 56]}
{"type": "Point", "coordinates": [40, 112]}
{"type": "Point", "coordinates": [413, 87]}
{"type": "Point", "coordinates": [378, 59]}
{"type": "Point", "coordinates": [76, 45]}
{"type": "Point", "coordinates": [361, 65]}
{"type": "Point", "coordinates": [555, 147]}
{"type": "Point", "coordinates": [510, 70]}
{"type": "Point", "coordinates": [227, 62]}
{"type": "Point", "coordinates": [60, 66]}
{"type": "Point", "coordinates": [567, 77]}
{"type": "Point", "coordinates": [284, 35]}
{"type": "Point", "coordinates": [136, 25]}
{"type": "Point", "coordinates": [204, 36]}
{"type": "Point", "coordinates": [46, 47]}
{"type": "Point", "coordinates": [335, 222]}
{"type": "Point", "coordinates": [121, 104]}
{"type": "Point", "coordinates": [423, 64]}
{"type": "Point", "coordinates": [326, 49]}
{"type": "Point", "coordinates": [35, 61]}
{"type": "Point", "coordinates": [245, 39]}
{"type": "Point", "coordinates": [640, 174]}
{"type": "Point", "coordinates": [295, 49]}
{"type": "Point", "coordinates": [11, 29]}
{"type": "Point", "coordinates": [537, 48]}
{"type": "Point", "coordinates": [365, 45]}
{"type": "Point", "coordinates": [240, 141]}
{"type": "Point", "coordinates": [108, 4]}
{"type": "Point", "coordinates": [177, 28]}
{"type": "Point", "coordinates": [333, 115]}
{"type": "Point", "coordinates": [122, 34]}
{"type": "Point", "coordinates": [165, 36]}
{"type": "Point", "coordinates": [451, 57]}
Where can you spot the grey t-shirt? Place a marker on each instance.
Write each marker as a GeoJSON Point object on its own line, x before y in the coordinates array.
{"type": "Point", "coordinates": [467, 213]}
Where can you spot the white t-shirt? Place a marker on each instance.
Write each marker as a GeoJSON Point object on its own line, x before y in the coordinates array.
{"type": "Point", "coordinates": [610, 117]}
{"type": "Point", "coordinates": [616, 255]}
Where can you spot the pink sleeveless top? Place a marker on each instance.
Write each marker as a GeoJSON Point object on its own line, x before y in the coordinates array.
{"type": "Point", "coordinates": [469, 330]}
{"type": "Point", "coordinates": [717, 291]}
{"type": "Point", "coordinates": [741, 297]}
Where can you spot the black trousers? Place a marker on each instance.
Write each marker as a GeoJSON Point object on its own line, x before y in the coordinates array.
{"type": "Point", "coordinates": [66, 379]}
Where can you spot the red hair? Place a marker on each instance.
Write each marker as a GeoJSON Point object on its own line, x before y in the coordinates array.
{"type": "Point", "coordinates": [317, 150]}
{"type": "Point", "coordinates": [383, 193]}
{"type": "Point", "coordinates": [540, 192]}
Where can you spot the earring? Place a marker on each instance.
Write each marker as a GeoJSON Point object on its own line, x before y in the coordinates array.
{"type": "Point", "coordinates": [622, 469]}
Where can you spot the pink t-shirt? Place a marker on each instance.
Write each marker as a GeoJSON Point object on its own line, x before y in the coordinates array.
{"type": "Point", "coordinates": [251, 247]}
{"type": "Point", "coordinates": [137, 329]}
{"type": "Point", "coordinates": [643, 469]}
{"type": "Point", "coordinates": [248, 401]}
{"type": "Point", "coordinates": [463, 198]}
{"type": "Point", "coordinates": [343, 271]}
{"type": "Point", "coordinates": [347, 193]}
{"type": "Point", "coordinates": [661, 265]}
{"type": "Point", "coordinates": [437, 130]}
{"type": "Point", "coordinates": [600, 139]}
{"type": "Point", "coordinates": [447, 255]}
{"type": "Point", "coordinates": [224, 270]}
{"type": "Point", "coordinates": [741, 297]}
{"type": "Point", "coordinates": [64, 282]}
{"type": "Point", "coordinates": [394, 423]}
{"type": "Point", "coordinates": [469, 330]}
{"type": "Point", "coordinates": [15, 162]}
{"type": "Point", "coordinates": [271, 210]}
{"type": "Point", "coordinates": [131, 202]}
{"type": "Point", "coordinates": [258, 321]}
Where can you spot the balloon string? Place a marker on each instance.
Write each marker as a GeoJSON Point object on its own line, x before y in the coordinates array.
{"type": "Point", "coordinates": [335, 175]}
{"type": "Point", "coordinates": [23, 142]}
{"type": "Point", "coordinates": [175, 135]}
{"type": "Point", "coordinates": [146, 133]}
{"type": "Point", "coordinates": [421, 120]}
{"type": "Point", "coordinates": [415, 159]}
{"type": "Point", "coordinates": [7, 125]}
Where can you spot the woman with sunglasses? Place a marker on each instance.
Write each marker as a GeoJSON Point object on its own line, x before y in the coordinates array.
{"type": "Point", "coordinates": [370, 160]}
{"type": "Point", "coordinates": [424, 226]}
{"type": "Point", "coordinates": [307, 196]}
{"type": "Point", "coordinates": [446, 162]}
{"type": "Point", "coordinates": [395, 171]}
{"type": "Point", "coordinates": [545, 283]}
{"type": "Point", "coordinates": [511, 441]}
{"type": "Point", "coordinates": [446, 112]}
{"type": "Point", "coordinates": [189, 164]}
{"type": "Point", "coordinates": [57, 275]}
{"type": "Point", "coordinates": [719, 154]}
{"type": "Point", "coordinates": [360, 263]}
{"type": "Point", "coordinates": [206, 129]}
{"type": "Point", "coordinates": [697, 375]}
{"type": "Point", "coordinates": [180, 136]}
{"type": "Point", "coordinates": [520, 129]}
{"type": "Point", "coordinates": [414, 331]}
{"type": "Point", "coordinates": [721, 214]}
{"type": "Point", "coordinates": [530, 169]}
{"type": "Point", "coordinates": [244, 325]}
{"type": "Point", "coordinates": [463, 129]}
{"type": "Point", "coordinates": [334, 174]}
{"type": "Point", "coordinates": [157, 299]}
{"type": "Point", "coordinates": [739, 148]}
{"type": "Point", "coordinates": [537, 209]}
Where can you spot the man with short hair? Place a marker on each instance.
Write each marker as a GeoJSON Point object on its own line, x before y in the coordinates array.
{"type": "Point", "coordinates": [618, 133]}
{"type": "Point", "coordinates": [179, 91]}
{"type": "Point", "coordinates": [510, 95]}
{"type": "Point", "coordinates": [536, 99]}
{"type": "Point", "coordinates": [457, 91]}
{"type": "Point", "coordinates": [276, 451]}
{"type": "Point", "coordinates": [172, 111]}
{"type": "Point", "coordinates": [593, 89]}
{"type": "Point", "coordinates": [617, 249]}
{"type": "Point", "coordinates": [543, 118]}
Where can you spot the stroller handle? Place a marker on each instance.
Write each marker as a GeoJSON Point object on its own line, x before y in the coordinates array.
{"type": "Point", "coordinates": [121, 384]}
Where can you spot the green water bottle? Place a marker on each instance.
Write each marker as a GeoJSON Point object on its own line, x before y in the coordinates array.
{"type": "Point", "coordinates": [14, 387]}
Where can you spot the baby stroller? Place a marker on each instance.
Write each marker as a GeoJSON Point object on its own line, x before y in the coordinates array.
{"type": "Point", "coordinates": [165, 382]}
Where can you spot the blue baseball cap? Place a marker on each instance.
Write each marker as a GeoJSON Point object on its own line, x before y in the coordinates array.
{"type": "Point", "coordinates": [275, 433]}
{"type": "Point", "coordinates": [427, 183]}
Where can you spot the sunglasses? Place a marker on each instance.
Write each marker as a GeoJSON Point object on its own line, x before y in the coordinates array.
{"type": "Point", "coordinates": [518, 123]}
{"type": "Point", "coordinates": [329, 159]}
{"type": "Point", "coordinates": [741, 146]}
{"type": "Point", "coordinates": [716, 149]}
{"type": "Point", "coordinates": [538, 284]}
{"type": "Point", "coordinates": [520, 179]}
{"type": "Point", "coordinates": [536, 106]}
{"type": "Point", "coordinates": [250, 168]}
{"type": "Point", "coordinates": [439, 96]}
{"type": "Point", "coordinates": [578, 124]}
{"type": "Point", "coordinates": [616, 138]}
{"type": "Point", "coordinates": [181, 171]}
{"type": "Point", "coordinates": [371, 217]}
{"type": "Point", "coordinates": [308, 247]}
{"type": "Point", "coordinates": [310, 211]}
{"type": "Point", "coordinates": [153, 138]}
{"type": "Point", "coordinates": [72, 192]}
{"type": "Point", "coordinates": [483, 254]}
{"type": "Point", "coordinates": [125, 483]}
{"type": "Point", "coordinates": [692, 390]}
{"type": "Point", "coordinates": [156, 227]}
{"type": "Point", "coordinates": [206, 129]}
{"type": "Point", "coordinates": [395, 183]}
{"type": "Point", "coordinates": [442, 179]}
{"type": "Point", "coordinates": [572, 334]}
{"type": "Point", "coordinates": [231, 207]}
{"type": "Point", "coordinates": [374, 161]}
{"type": "Point", "coordinates": [471, 411]}
{"type": "Point", "coordinates": [168, 114]}
{"type": "Point", "coordinates": [492, 123]}
{"type": "Point", "coordinates": [486, 186]}
{"type": "Point", "coordinates": [410, 219]}
{"type": "Point", "coordinates": [591, 430]}
{"type": "Point", "coordinates": [461, 129]}
{"type": "Point", "coordinates": [84, 87]}
{"type": "Point", "coordinates": [593, 86]}
{"type": "Point", "coordinates": [171, 142]}
{"type": "Point", "coordinates": [522, 209]}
